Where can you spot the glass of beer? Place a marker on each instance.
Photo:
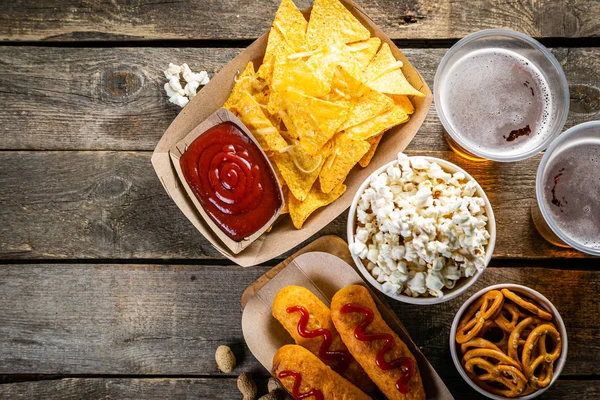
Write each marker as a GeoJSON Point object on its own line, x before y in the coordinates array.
{"type": "Point", "coordinates": [567, 211]}
{"type": "Point", "coordinates": [501, 96]}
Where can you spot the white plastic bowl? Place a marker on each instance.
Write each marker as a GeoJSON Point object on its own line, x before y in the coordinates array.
{"type": "Point", "coordinates": [463, 283]}
{"type": "Point", "coordinates": [545, 303]}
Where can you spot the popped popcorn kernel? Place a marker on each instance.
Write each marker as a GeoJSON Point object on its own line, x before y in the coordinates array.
{"type": "Point", "coordinates": [178, 93]}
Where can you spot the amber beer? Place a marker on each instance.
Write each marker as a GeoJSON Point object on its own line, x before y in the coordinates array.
{"type": "Point", "coordinates": [497, 101]}
{"type": "Point", "coordinates": [568, 190]}
{"type": "Point", "coordinates": [500, 96]}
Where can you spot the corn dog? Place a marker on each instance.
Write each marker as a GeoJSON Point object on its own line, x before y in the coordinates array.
{"type": "Point", "coordinates": [305, 376]}
{"type": "Point", "coordinates": [378, 349]}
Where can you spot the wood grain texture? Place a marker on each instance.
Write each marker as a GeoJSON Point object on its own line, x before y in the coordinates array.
{"type": "Point", "coordinates": [126, 389]}
{"type": "Point", "coordinates": [70, 20]}
{"type": "Point", "coordinates": [203, 388]}
{"type": "Point", "coordinates": [65, 99]}
{"type": "Point", "coordinates": [168, 320]}
{"type": "Point", "coordinates": [113, 98]}
{"type": "Point", "coordinates": [68, 205]}
{"type": "Point", "coordinates": [331, 244]}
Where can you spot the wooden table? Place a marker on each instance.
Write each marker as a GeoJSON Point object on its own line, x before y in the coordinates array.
{"type": "Point", "coordinates": [107, 291]}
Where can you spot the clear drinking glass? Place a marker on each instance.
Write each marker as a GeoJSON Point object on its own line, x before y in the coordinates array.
{"type": "Point", "coordinates": [567, 211]}
{"type": "Point", "coordinates": [501, 96]}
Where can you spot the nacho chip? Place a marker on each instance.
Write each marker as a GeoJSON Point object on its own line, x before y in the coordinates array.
{"type": "Point", "coordinates": [384, 73]}
{"type": "Point", "coordinates": [330, 19]}
{"type": "Point", "coordinates": [242, 84]}
{"type": "Point", "coordinates": [364, 51]}
{"type": "Point", "coordinates": [297, 75]}
{"type": "Point", "coordinates": [315, 120]}
{"type": "Point", "coordinates": [299, 170]}
{"type": "Point", "coordinates": [265, 71]}
{"type": "Point", "coordinates": [251, 115]}
{"type": "Point", "coordinates": [378, 124]}
{"type": "Point", "coordinates": [292, 25]}
{"type": "Point", "coordinates": [366, 103]}
{"type": "Point", "coordinates": [301, 210]}
{"type": "Point", "coordinates": [278, 175]}
{"type": "Point", "coordinates": [287, 36]}
{"type": "Point", "coordinates": [262, 97]}
{"type": "Point", "coordinates": [276, 46]}
{"type": "Point", "coordinates": [334, 54]}
{"type": "Point", "coordinates": [286, 200]}
{"type": "Point", "coordinates": [373, 142]}
{"type": "Point", "coordinates": [275, 102]}
{"type": "Point", "coordinates": [346, 152]}
{"type": "Point", "coordinates": [293, 74]}
{"type": "Point", "coordinates": [290, 132]}
{"type": "Point", "coordinates": [404, 103]}
{"type": "Point", "coordinates": [325, 62]}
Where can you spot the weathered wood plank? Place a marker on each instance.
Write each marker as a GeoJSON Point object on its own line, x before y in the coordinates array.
{"type": "Point", "coordinates": [202, 388]}
{"type": "Point", "coordinates": [70, 20]}
{"type": "Point", "coordinates": [113, 99]}
{"type": "Point", "coordinates": [68, 205]}
{"type": "Point", "coordinates": [168, 320]}
{"type": "Point", "coordinates": [63, 99]}
{"type": "Point", "coordinates": [125, 389]}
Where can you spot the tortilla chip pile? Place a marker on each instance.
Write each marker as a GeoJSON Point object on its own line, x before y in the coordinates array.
{"type": "Point", "coordinates": [321, 101]}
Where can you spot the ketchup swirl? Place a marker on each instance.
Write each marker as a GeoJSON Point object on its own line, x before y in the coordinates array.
{"type": "Point", "coordinates": [232, 179]}
{"type": "Point", "coordinates": [318, 395]}
{"type": "Point", "coordinates": [406, 364]}
{"type": "Point", "coordinates": [341, 358]}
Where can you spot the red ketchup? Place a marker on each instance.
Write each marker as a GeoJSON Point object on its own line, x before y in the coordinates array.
{"type": "Point", "coordinates": [232, 180]}
{"type": "Point", "coordinates": [405, 364]}
{"type": "Point", "coordinates": [341, 358]}
{"type": "Point", "coordinates": [318, 395]}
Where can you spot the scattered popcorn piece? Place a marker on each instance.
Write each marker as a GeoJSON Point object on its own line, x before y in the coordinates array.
{"type": "Point", "coordinates": [191, 88]}
{"type": "Point", "coordinates": [179, 100]}
{"type": "Point", "coordinates": [420, 229]}
{"type": "Point", "coordinates": [178, 94]}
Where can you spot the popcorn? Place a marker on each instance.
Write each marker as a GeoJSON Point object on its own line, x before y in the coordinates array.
{"type": "Point", "coordinates": [178, 94]}
{"type": "Point", "coordinates": [420, 229]}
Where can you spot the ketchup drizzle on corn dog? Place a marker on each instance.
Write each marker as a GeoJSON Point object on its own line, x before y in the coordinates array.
{"type": "Point", "coordinates": [405, 364]}
{"type": "Point", "coordinates": [341, 358]}
{"type": "Point", "coordinates": [296, 389]}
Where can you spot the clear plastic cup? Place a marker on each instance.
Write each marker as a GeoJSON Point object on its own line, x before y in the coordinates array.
{"type": "Point", "coordinates": [567, 211]}
{"type": "Point", "coordinates": [501, 96]}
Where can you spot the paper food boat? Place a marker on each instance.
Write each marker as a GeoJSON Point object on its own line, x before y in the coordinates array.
{"type": "Point", "coordinates": [283, 236]}
{"type": "Point", "coordinates": [323, 274]}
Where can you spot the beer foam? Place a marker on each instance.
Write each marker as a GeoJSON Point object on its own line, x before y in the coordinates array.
{"type": "Point", "coordinates": [572, 190]}
{"type": "Point", "coordinates": [489, 93]}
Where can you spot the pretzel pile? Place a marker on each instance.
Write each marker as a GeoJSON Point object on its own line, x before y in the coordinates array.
{"type": "Point", "coordinates": [508, 344]}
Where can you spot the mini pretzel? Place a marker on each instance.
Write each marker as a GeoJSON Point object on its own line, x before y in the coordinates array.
{"type": "Point", "coordinates": [538, 337]}
{"type": "Point", "coordinates": [485, 308]}
{"type": "Point", "coordinates": [515, 340]}
{"type": "Point", "coordinates": [526, 304]}
{"type": "Point", "coordinates": [499, 356]}
{"type": "Point", "coordinates": [509, 376]}
{"type": "Point", "coordinates": [515, 314]}
{"type": "Point", "coordinates": [479, 343]}
{"type": "Point", "coordinates": [502, 343]}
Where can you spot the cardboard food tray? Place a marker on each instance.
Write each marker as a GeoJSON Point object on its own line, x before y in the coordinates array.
{"type": "Point", "coordinates": [220, 116]}
{"type": "Point", "coordinates": [283, 236]}
{"type": "Point", "coordinates": [323, 274]}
